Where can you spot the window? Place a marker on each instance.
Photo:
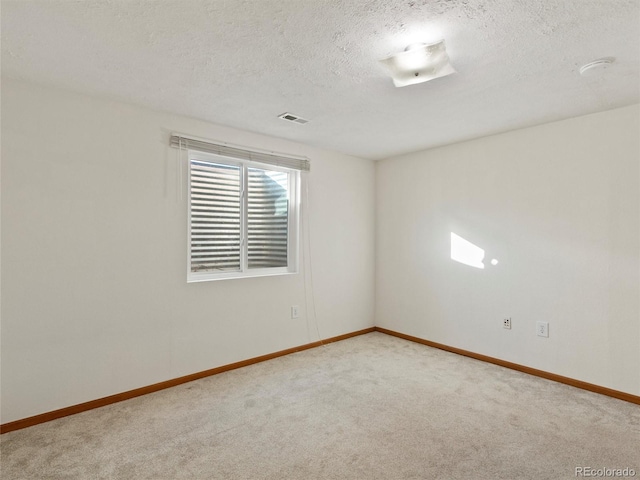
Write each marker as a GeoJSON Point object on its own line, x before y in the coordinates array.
{"type": "Point", "coordinates": [243, 217]}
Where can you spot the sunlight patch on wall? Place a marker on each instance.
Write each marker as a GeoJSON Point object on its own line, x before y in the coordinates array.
{"type": "Point", "coordinates": [464, 251]}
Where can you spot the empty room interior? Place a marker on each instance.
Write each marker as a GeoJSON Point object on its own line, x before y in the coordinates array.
{"type": "Point", "coordinates": [332, 239]}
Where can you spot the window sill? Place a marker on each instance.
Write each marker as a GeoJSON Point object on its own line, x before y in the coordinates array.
{"type": "Point", "coordinates": [209, 277]}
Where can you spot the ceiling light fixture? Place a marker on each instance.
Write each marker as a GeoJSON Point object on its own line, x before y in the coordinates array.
{"type": "Point", "coordinates": [419, 63]}
{"type": "Point", "coordinates": [596, 67]}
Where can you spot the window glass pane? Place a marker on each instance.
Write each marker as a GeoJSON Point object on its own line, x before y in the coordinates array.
{"type": "Point", "coordinates": [267, 218]}
{"type": "Point", "coordinates": [215, 217]}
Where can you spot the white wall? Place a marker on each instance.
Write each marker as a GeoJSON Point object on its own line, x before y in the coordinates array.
{"type": "Point", "coordinates": [94, 292]}
{"type": "Point", "coordinates": [558, 206]}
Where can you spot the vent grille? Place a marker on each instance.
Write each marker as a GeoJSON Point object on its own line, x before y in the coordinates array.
{"type": "Point", "coordinates": [290, 117]}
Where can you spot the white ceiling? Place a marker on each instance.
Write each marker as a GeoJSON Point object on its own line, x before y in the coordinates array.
{"type": "Point", "coordinates": [243, 62]}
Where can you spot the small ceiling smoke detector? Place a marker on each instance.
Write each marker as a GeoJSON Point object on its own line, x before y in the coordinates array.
{"type": "Point", "coordinates": [596, 67]}
{"type": "Point", "coordinates": [419, 63]}
{"type": "Point", "coordinates": [290, 117]}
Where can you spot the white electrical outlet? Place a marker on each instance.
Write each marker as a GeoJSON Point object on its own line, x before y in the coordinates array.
{"type": "Point", "coordinates": [506, 323]}
{"type": "Point", "coordinates": [542, 329]}
{"type": "Point", "coordinates": [294, 312]}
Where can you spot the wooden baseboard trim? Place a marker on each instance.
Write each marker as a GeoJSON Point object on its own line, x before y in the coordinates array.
{"type": "Point", "coordinates": [521, 368]}
{"type": "Point", "coordinates": [101, 402]}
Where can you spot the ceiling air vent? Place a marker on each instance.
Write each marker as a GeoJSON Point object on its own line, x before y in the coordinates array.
{"type": "Point", "coordinates": [293, 118]}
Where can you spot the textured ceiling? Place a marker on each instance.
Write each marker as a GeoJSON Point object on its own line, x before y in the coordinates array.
{"type": "Point", "coordinates": [243, 62]}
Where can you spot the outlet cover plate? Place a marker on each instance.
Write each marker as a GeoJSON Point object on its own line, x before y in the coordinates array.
{"type": "Point", "coordinates": [542, 329]}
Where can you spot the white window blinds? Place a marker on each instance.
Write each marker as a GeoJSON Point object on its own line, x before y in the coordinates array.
{"type": "Point", "coordinates": [243, 217]}
{"type": "Point", "coordinates": [267, 218]}
{"type": "Point", "coordinates": [215, 217]}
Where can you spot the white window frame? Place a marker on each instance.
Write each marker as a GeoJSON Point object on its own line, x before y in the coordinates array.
{"type": "Point", "coordinates": [293, 221]}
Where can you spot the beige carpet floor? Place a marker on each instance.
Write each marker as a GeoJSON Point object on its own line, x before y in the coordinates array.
{"type": "Point", "coordinates": [371, 407]}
